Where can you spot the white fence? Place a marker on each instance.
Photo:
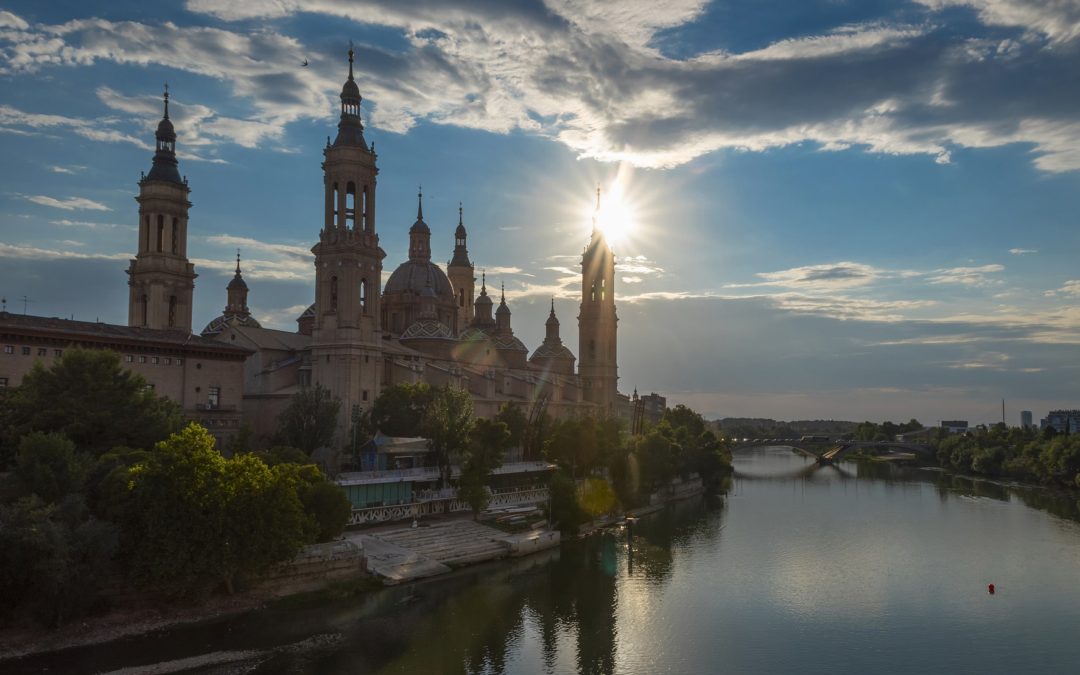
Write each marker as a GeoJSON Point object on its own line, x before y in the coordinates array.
{"type": "Point", "coordinates": [448, 504]}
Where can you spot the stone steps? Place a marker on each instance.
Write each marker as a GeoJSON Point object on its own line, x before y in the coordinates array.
{"type": "Point", "coordinates": [457, 543]}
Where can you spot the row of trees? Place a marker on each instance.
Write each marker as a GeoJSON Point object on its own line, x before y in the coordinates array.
{"type": "Point", "coordinates": [1025, 454]}
{"type": "Point", "coordinates": [106, 489]}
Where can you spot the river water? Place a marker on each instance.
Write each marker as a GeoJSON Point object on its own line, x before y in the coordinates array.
{"type": "Point", "coordinates": [799, 569]}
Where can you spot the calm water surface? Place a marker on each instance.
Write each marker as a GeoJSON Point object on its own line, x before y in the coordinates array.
{"type": "Point", "coordinates": [801, 569]}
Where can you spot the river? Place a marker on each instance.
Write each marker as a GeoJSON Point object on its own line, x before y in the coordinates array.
{"type": "Point", "coordinates": [860, 569]}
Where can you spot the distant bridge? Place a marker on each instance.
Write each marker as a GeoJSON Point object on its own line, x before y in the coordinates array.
{"type": "Point", "coordinates": [824, 450]}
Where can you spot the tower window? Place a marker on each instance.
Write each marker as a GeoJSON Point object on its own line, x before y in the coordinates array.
{"type": "Point", "coordinates": [172, 310]}
{"type": "Point", "coordinates": [364, 209]}
{"type": "Point", "coordinates": [213, 397]}
{"type": "Point", "coordinates": [175, 236]}
{"type": "Point", "coordinates": [160, 232]}
{"type": "Point", "coordinates": [334, 208]}
{"type": "Point", "coordinates": [350, 205]}
{"type": "Point", "coordinates": [363, 296]}
{"type": "Point", "coordinates": [592, 348]}
{"type": "Point", "coordinates": [603, 288]}
{"type": "Point", "coordinates": [461, 297]}
{"type": "Point", "coordinates": [146, 240]}
{"type": "Point", "coordinates": [333, 294]}
{"type": "Point", "coordinates": [144, 309]}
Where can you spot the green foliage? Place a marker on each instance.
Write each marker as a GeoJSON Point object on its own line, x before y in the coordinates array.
{"type": "Point", "coordinates": [596, 497]}
{"type": "Point", "coordinates": [399, 410]}
{"type": "Point", "coordinates": [282, 454]}
{"type": "Point", "coordinates": [194, 519]}
{"type": "Point", "coordinates": [49, 467]}
{"type": "Point", "coordinates": [310, 420]}
{"type": "Point", "coordinates": [488, 440]}
{"type": "Point", "coordinates": [54, 560]}
{"type": "Point", "coordinates": [91, 399]}
{"type": "Point", "coordinates": [1025, 454]}
{"type": "Point", "coordinates": [330, 508]}
{"type": "Point", "coordinates": [446, 424]}
{"type": "Point", "coordinates": [566, 513]}
{"type": "Point", "coordinates": [516, 422]}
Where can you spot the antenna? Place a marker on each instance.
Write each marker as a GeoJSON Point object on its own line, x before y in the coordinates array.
{"type": "Point", "coordinates": [25, 305]}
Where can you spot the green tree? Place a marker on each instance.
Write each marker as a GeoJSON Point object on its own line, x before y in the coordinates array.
{"type": "Point", "coordinates": [54, 559]}
{"type": "Point", "coordinates": [516, 422]}
{"type": "Point", "coordinates": [446, 424]}
{"type": "Point", "coordinates": [310, 420]}
{"type": "Point", "coordinates": [194, 519]}
{"type": "Point", "coordinates": [49, 467]}
{"type": "Point", "coordinates": [566, 513]}
{"type": "Point", "coordinates": [488, 440]}
{"type": "Point", "coordinates": [89, 397]}
{"type": "Point", "coordinates": [399, 409]}
{"type": "Point", "coordinates": [324, 503]}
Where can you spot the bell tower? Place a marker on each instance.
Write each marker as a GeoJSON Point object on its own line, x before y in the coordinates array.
{"type": "Point", "coordinates": [346, 345]}
{"type": "Point", "coordinates": [597, 322]}
{"type": "Point", "coordinates": [160, 278]}
{"type": "Point", "coordinates": [462, 277]}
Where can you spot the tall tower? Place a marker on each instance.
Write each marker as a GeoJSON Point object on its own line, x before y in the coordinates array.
{"type": "Point", "coordinates": [462, 277]}
{"type": "Point", "coordinates": [346, 347]}
{"type": "Point", "coordinates": [160, 278]}
{"type": "Point", "coordinates": [597, 322]}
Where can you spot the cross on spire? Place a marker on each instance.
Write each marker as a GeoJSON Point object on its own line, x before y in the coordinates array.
{"type": "Point", "coordinates": [166, 100]}
{"type": "Point", "coordinates": [350, 59]}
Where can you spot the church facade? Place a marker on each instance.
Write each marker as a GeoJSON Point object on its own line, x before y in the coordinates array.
{"type": "Point", "coordinates": [358, 337]}
{"type": "Point", "coordinates": [427, 324]}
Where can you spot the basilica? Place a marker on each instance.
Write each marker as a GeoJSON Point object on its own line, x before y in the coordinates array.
{"type": "Point", "coordinates": [426, 324]}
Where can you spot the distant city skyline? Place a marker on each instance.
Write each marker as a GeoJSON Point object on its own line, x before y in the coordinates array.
{"type": "Point", "coordinates": [830, 211]}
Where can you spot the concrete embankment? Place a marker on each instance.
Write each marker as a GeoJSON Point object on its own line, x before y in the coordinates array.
{"type": "Point", "coordinates": [407, 553]}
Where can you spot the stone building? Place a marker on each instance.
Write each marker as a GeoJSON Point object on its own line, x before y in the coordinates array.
{"type": "Point", "coordinates": [203, 375]}
{"type": "Point", "coordinates": [426, 324]}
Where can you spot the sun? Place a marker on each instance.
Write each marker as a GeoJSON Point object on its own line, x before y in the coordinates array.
{"type": "Point", "coordinates": [614, 215]}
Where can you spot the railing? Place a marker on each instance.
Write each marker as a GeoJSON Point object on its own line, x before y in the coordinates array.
{"type": "Point", "coordinates": [448, 504]}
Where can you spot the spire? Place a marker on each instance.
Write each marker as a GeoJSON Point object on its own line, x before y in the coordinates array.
{"type": "Point", "coordinates": [165, 165]}
{"type": "Point", "coordinates": [483, 282]}
{"type": "Point", "coordinates": [350, 129]}
{"type": "Point", "coordinates": [459, 215]}
{"type": "Point", "coordinates": [420, 204]}
{"type": "Point", "coordinates": [552, 327]}
{"type": "Point", "coordinates": [237, 262]}
{"type": "Point", "coordinates": [420, 233]}
{"type": "Point", "coordinates": [502, 315]}
{"type": "Point", "coordinates": [461, 251]}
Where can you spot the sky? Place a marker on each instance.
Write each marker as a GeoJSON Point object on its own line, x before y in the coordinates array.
{"type": "Point", "coordinates": [827, 208]}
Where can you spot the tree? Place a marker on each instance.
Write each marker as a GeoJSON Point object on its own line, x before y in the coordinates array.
{"type": "Point", "coordinates": [49, 467]}
{"type": "Point", "coordinates": [310, 420]}
{"type": "Point", "coordinates": [399, 410]}
{"type": "Point", "coordinates": [488, 440]}
{"type": "Point", "coordinates": [516, 422]}
{"type": "Point", "coordinates": [446, 424]}
{"type": "Point", "coordinates": [193, 519]}
{"type": "Point", "coordinates": [91, 399]}
{"type": "Point", "coordinates": [565, 510]}
{"type": "Point", "coordinates": [323, 502]}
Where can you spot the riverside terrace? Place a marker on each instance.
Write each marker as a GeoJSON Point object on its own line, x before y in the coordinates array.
{"type": "Point", "coordinates": [400, 494]}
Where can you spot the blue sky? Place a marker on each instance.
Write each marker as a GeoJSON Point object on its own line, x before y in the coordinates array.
{"type": "Point", "coordinates": [838, 209]}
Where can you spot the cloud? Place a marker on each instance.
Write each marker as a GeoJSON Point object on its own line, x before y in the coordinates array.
{"type": "Point", "coordinates": [260, 260]}
{"type": "Point", "coordinates": [1023, 251]}
{"type": "Point", "coordinates": [968, 276]}
{"type": "Point", "coordinates": [65, 169]}
{"type": "Point", "coordinates": [1070, 288]}
{"type": "Point", "coordinates": [36, 253]}
{"type": "Point", "coordinates": [593, 76]}
{"type": "Point", "coordinates": [64, 222]}
{"type": "Point", "coordinates": [69, 204]}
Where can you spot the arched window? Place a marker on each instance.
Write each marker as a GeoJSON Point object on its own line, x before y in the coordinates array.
{"type": "Point", "coordinates": [175, 234]}
{"type": "Point", "coordinates": [146, 242]}
{"type": "Point", "coordinates": [160, 233]}
{"type": "Point", "coordinates": [144, 306]}
{"type": "Point", "coordinates": [333, 294]}
{"type": "Point", "coordinates": [363, 296]}
{"type": "Point", "coordinates": [350, 205]}
{"type": "Point", "coordinates": [335, 206]}
{"type": "Point", "coordinates": [592, 348]}
{"type": "Point", "coordinates": [592, 292]}
{"type": "Point", "coordinates": [603, 288]}
{"type": "Point", "coordinates": [461, 297]}
{"type": "Point", "coordinates": [172, 310]}
{"type": "Point", "coordinates": [364, 210]}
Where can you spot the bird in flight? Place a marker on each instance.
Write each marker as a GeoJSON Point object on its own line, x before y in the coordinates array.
{"type": "Point", "coordinates": [304, 64]}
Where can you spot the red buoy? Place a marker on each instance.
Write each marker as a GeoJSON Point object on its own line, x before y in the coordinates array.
{"type": "Point", "coordinates": [991, 589]}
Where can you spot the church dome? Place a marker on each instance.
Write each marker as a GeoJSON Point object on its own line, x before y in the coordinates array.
{"type": "Point", "coordinates": [509, 342]}
{"type": "Point", "coordinates": [552, 351]}
{"type": "Point", "coordinates": [413, 276]}
{"type": "Point", "coordinates": [350, 90]}
{"type": "Point", "coordinates": [218, 325]}
{"type": "Point", "coordinates": [427, 329]}
{"type": "Point", "coordinates": [165, 129]}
